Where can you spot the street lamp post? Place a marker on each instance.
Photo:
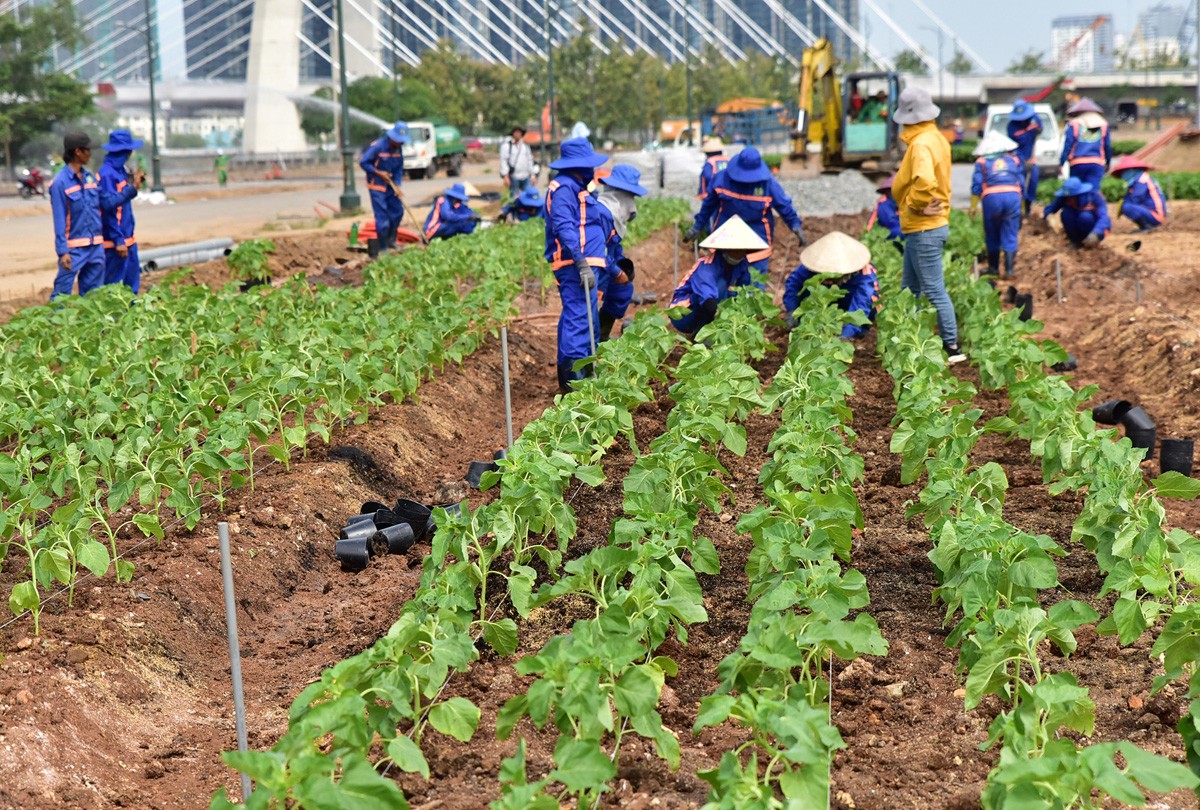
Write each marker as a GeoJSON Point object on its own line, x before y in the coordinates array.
{"type": "Point", "coordinates": [549, 81]}
{"type": "Point", "coordinates": [687, 70]}
{"type": "Point", "coordinates": [155, 167]}
{"type": "Point", "coordinates": [349, 201]}
{"type": "Point", "coordinates": [395, 71]}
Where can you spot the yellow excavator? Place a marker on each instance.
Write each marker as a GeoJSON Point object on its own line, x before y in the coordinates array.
{"type": "Point", "coordinates": [849, 119]}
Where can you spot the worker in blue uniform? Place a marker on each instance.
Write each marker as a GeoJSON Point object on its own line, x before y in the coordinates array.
{"type": "Point", "coordinates": [886, 215]}
{"type": "Point", "coordinates": [715, 161]}
{"type": "Point", "coordinates": [716, 276]}
{"type": "Point", "coordinates": [75, 206]}
{"type": "Point", "coordinates": [617, 194]}
{"type": "Point", "coordinates": [997, 184]}
{"type": "Point", "coordinates": [838, 259]}
{"type": "Point", "coordinates": [1144, 201]}
{"type": "Point", "coordinates": [746, 189]}
{"type": "Point", "coordinates": [576, 250]}
{"type": "Point", "coordinates": [450, 214]}
{"type": "Point", "coordinates": [117, 190]}
{"type": "Point", "coordinates": [1025, 127]}
{"type": "Point", "coordinates": [1087, 145]}
{"type": "Point", "coordinates": [383, 161]}
{"type": "Point", "coordinates": [527, 205]}
{"type": "Point", "coordinates": [1084, 212]}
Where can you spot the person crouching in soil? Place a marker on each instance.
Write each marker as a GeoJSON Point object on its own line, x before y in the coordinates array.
{"type": "Point", "coordinates": [1084, 213]}
{"type": "Point", "coordinates": [1144, 201]}
{"type": "Point", "coordinates": [841, 260]}
{"type": "Point", "coordinates": [716, 277]}
{"type": "Point", "coordinates": [450, 214]}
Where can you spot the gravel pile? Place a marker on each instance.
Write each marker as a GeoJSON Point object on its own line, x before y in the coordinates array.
{"type": "Point", "coordinates": [675, 173]}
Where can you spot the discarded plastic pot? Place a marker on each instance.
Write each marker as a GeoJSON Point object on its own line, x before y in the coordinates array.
{"type": "Point", "coordinates": [399, 538]}
{"type": "Point", "coordinates": [500, 454]}
{"type": "Point", "coordinates": [454, 509]}
{"type": "Point", "coordinates": [355, 530]}
{"type": "Point", "coordinates": [356, 519]}
{"type": "Point", "coordinates": [1070, 364]}
{"type": "Point", "coordinates": [1111, 412]}
{"type": "Point", "coordinates": [1025, 303]}
{"type": "Point", "coordinates": [1010, 295]}
{"type": "Point", "coordinates": [371, 507]}
{"type": "Point", "coordinates": [1177, 455]}
{"type": "Point", "coordinates": [475, 472]}
{"type": "Point", "coordinates": [386, 517]}
{"type": "Point", "coordinates": [1140, 429]}
{"type": "Point", "coordinates": [416, 515]}
{"type": "Point", "coordinates": [353, 553]}
{"type": "Point", "coordinates": [250, 284]}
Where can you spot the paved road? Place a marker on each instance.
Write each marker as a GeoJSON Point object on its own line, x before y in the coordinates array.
{"type": "Point", "coordinates": [239, 212]}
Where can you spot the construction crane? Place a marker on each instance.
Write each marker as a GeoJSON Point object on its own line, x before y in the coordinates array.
{"type": "Point", "coordinates": [1069, 52]}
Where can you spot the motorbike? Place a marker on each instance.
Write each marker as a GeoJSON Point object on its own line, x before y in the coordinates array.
{"type": "Point", "coordinates": [31, 182]}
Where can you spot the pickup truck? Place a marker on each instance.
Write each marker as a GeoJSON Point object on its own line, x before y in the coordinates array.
{"type": "Point", "coordinates": [1049, 144]}
{"type": "Point", "coordinates": [433, 148]}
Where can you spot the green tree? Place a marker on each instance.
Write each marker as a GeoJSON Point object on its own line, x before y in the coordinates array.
{"type": "Point", "coordinates": [451, 77]}
{"type": "Point", "coordinates": [33, 99]}
{"type": "Point", "coordinates": [1029, 62]}
{"type": "Point", "coordinates": [908, 61]}
{"type": "Point", "coordinates": [960, 65]}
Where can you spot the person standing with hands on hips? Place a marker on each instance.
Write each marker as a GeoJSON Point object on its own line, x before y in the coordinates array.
{"type": "Point", "coordinates": [576, 250]}
{"type": "Point", "coordinates": [516, 162]}
{"type": "Point", "coordinates": [75, 205]}
{"type": "Point", "coordinates": [117, 190]}
{"type": "Point", "coordinates": [921, 189]}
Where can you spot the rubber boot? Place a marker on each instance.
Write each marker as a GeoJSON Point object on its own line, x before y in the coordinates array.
{"type": "Point", "coordinates": [606, 325]}
{"type": "Point", "coordinates": [568, 375]}
{"type": "Point", "coordinates": [373, 248]}
{"type": "Point", "coordinates": [1009, 260]}
{"type": "Point", "coordinates": [993, 263]}
{"type": "Point", "coordinates": [389, 242]}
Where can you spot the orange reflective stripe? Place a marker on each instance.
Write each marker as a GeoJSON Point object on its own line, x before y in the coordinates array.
{"type": "Point", "coordinates": [85, 241]}
{"type": "Point", "coordinates": [1159, 207]}
{"type": "Point", "coordinates": [131, 241]}
{"type": "Point", "coordinates": [89, 185]}
{"type": "Point", "coordinates": [874, 214]}
{"type": "Point", "coordinates": [747, 197]}
{"type": "Point", "coordinates": [432, 227]}
{"type": "Point", "coordinates": [1000, 190]}
{"type": "Point", "coordinates": [373, 187]}
{"type": "Point", "coordinates": [759, 256]}
{"type": "Point", "coordinates": [583, 195]}
{"type": "Point", "coordinates": [72, 189]}
{"type": "Point", "coordinates": [1087, 160]}
{"type": "Point", "coordinates": [121, 185]}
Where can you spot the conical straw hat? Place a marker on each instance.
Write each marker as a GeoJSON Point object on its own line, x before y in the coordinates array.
{"type": "Point", "coordinates": [836, 254]}
{"type": "Point", "coordinates": [994, 143]}
{"type": "Point", "coordinates": [471, 190]}
{"type": "Point", "coordinates": [734, 234]}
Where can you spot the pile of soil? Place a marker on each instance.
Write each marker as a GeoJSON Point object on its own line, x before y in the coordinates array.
{"type": "Point", "coordinates": [124, 700]}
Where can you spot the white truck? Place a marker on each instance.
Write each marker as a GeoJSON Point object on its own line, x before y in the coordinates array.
{"type": "Point", "coordinates": [1049, 144]}
{"type": "Point", "coordinates": [433, 148]}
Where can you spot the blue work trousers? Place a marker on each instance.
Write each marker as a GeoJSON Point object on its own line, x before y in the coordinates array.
{"type": "Point", "coordinates": [923, 275]}
{"type": "Point", "coordinates": [573, 342]}
{"type": "Point", "coordinates": [389, 210]}
{"type": "Point", "coordinates": [1089, 173]}
{"type": "Point", "coordinates": [127, 271]}
{"type": "Point", "coordinates": [1141, 215]}
{"type": "Point", "coordinates": [87, 264]}
{"type": "Point", "coordinates": [615, 297]}
{"type": "Point", "coordinates": [1001, 221]}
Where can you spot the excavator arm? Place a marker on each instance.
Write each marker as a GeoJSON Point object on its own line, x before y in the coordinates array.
{"type": "Point", "coordinates": [819, 115]}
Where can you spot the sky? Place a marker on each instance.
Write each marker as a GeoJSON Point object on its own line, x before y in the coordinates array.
{"type": "Point", "coordinates": [998, 31]}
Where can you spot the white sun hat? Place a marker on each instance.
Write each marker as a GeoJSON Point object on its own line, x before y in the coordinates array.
{"type": "Point", "coordinates": [836, 254]}
{"type": "Point", "coordinates": [734, 234]}
{"type": "Point", "coordinates": [994, 143]}
{"type": "Point", "coordinates": [471, 189]}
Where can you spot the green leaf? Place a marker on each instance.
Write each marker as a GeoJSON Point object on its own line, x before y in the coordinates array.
{"type": "Point", "coordinates": [362, 786]}
{"type": "Point", "coordinates": [24, 597]}
{"type": "Point", "coordinates": [149, 525]}
{"type": "Point", "coordinates": [407, 756]}
{"type": "Point", "coordinates": [1128, 620]}
{"type": "Point", "coordinates": [713, 709]}
{"type": "Point", "coordinates": [93, 556]}
{"type": "Point", "coordinates": [1034, 572]}
{"type": "Point", "coordinates": [1156, 773]}
{"type": "Point", "coordinates": [582, 765]}
{"type": "Point", "coordinates": [1172, 484]}
{"type": "Point", "coordinates": [501, 636]}
{"type": "Point", "coordinates": [456, 717]}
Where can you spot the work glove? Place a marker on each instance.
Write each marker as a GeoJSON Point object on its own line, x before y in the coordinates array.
{"type": "Point", "coordinates": [800, 236]}
{"type": "Point", "coordinates": [586, 276]}
{"type": "Point", "coordinates": [692, 235]}
{"type": "Point", "coordinates": [1091, 240]}
{"type": "Point", "coordinates": [626, 266]}
{"type": "Point", "coordinates": [898, 244]}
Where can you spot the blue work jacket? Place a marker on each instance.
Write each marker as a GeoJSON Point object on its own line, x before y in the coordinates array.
{"type": "Point", "coordinates": [382, 156]}
{"type": "Point", "coordinates": [862, 294]}
{"type": "Point", "coordinates": [573, 229]}
{"type": "Point", "coordinates": [755, 203]}
{"type": "Point", "coordinates": [75, 205]}
{"type": "Point", "coordinates": [116, 208]}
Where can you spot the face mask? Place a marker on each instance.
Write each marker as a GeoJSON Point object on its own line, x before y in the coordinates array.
{"type": "Point", "coordinates": [622, 204]}
{"type": "Point", "coordinates": [1130, 175]}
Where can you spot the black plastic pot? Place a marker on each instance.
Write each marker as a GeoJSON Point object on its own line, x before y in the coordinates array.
{"type": "Point", "coordinates": [1010, 295]}
{"type": "Point", "coordinates": [1177, 455]}
{"type": "Point", "coordinates": [370, 507]}
{"type": "Point", "coordinates": [475, 472]}
{"type": "Point", "coordinates": [1111, 412]}
{"type": "Point", "coordinates": [354, 519]}
{"type": "Point", "coordinates": [247, 286]}
{"type": "Point", "coordinates": [386, 517]}
{"type": "Point", "coordinates": [500, 454]}
{"type": "Point", "coordinates": [1134, 246]}
{"type": "Point", "coordinates": [1140, 429]}
{"type": "Point", "coordinates": [416, 515]}
{"type": "Point", "coordinates": [353, 554]}
{"type": "Point", "coordinates": [1025, 302]}
{"type": "Point", "coordinates": [373, 248]}
{"type": "Point", "coordinates": [361, 529]}
{"type": "Point", "coordinates": [1070, 364]}
{"type": "Point", "coordinates": [397, 539]}
{"type": "Point", "coordinates": [454, 509]}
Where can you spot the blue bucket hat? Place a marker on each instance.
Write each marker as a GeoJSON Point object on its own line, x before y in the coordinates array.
{"type": "Point", "coordinates": [747, 167]}
{"type": "Point", "coordinates": [577, 153]}
{"type": "Point", "coordinates": [1022, 110]}
{"type": "Point", "coordinates": [625, 178]}
{"type": "Point", "coordinates": [457, 192]}
{"type": "Point", "coordinates": [530, 197]}
{"type": "Point", "coordinates": [399, 133]}
{"type": "Point", "coordinates": [1073, 187]}
{"type": "Point", "coordinates": [122, 140]}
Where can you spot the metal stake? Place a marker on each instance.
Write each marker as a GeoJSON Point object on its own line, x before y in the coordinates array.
{"type": "Point", "coordinates": [1137, 290]}
{"type": "Point", "coordinates": [1058, 278]}
{"type": "Point", "coordinates": [675, 275]}
{"type": "Point", "coordinates": [587, 294]}
{"type": "Point", "coordinates": [235, 654]}
{"type": "Point", "coordinates": [507, 390]}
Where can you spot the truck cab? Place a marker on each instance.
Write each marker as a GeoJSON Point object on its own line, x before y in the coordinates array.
{"type": "Point", "coordinates": [1049, 144]}
{"type": "Point", "coordinates": [433, 148]}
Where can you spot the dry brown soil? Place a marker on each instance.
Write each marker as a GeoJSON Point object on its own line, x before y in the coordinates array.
{"type": "Point", "coordinates": [124, 699]}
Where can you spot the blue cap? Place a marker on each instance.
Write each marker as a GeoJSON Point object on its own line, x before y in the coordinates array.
{"type": "Point", "coordinates": [577, 153]}
{"type": "Point", "coordinates": [625, 178]}
{"type": "Point", "coordinates": [530, 197]}
{"type": "Point", "coordinates": [1073, 187]}
{"type": "Point", "coordinates": [747, 167]}
{"type": "Point", "coordinates": [1022, 110]}
{"type": "Point", "coordinates": [122, 140]}
{"type": "Point", "coordinates": [457, 192]}
{"type": "Point", "coordinates": [399, 133]}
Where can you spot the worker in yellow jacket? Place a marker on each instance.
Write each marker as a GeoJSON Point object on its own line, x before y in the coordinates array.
{"type": "Point", "coordinates": [921, 189]}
